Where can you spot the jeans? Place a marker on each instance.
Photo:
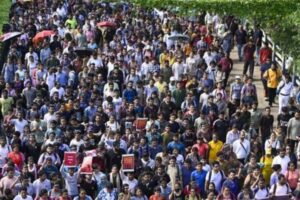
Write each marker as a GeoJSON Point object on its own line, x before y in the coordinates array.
{"type": "Point", "coordinates": [257, 49]}
{"type": "Point", "coordinates": [249, 64]}
{"type": "Point", "coordinates": [240, 52]}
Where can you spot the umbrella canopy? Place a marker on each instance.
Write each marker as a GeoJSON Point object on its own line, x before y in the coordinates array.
{"type": "Point", "coordinates": [41, 35]}
{"type": "Point", "coordinates": [106, 24]}
{"type": "Point", "coordinates": [10, 35]}
{"type": "Point", "coordinates": [179, 37]}
{"type": "Point", "coordinates": [83, 51]}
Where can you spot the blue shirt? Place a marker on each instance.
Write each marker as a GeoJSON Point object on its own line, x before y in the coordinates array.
{"type": "Point", "coordinates": [129, 94]}
{"type": "Point", "coordinates": [90, 113]}
{"type": "Point", "coordinates": [178, 145]}
{"type": "Point", "coordinates": [62, 78]}
{"type": "Point", "coordinates": [199, 177]}
{"type": "Point", "coordinates": [186, 175]}
{"type": "Point", "coordinates": [233, 186]}
{"type": "Point", "coordinates": [154, 150]}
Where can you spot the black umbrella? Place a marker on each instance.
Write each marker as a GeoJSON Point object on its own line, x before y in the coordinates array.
{"type": "Point", "coordinates": [83, 51]}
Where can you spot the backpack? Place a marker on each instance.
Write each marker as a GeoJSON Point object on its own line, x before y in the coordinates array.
{"type": "Point", "coordinates": [275, 187]}
{"type": "Point", "coordinates": [222, 175]}
{"type": "Point", "coordinates": [256, 190]}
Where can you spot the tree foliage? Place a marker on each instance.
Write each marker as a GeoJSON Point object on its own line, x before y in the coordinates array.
{"type": "Point", "coordinates": [279, 18]}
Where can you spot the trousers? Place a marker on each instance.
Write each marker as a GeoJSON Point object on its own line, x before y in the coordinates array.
{"type": "Point", "coordinates": [283, 100]}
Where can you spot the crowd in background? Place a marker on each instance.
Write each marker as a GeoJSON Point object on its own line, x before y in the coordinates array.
{"type": "Point", "coordinates": [84, 86]}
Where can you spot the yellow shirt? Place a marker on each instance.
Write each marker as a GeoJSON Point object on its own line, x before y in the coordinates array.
{"type": "Point", "coordinates": [160, 86]}
{"type": "Point", "coordinates": [163, 57]}
{"type": "Point", "coordinates": [214, 148]}
{"type": "Point", "coordinates": [273, 77]}
{"type": "Point", "coordinates": [267, 167]}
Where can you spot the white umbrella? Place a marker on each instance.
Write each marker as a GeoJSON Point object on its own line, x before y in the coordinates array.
{"type": "Point", "coordinates": [179, 37]}
{"type": "Point", "coordinates": [10, 35]}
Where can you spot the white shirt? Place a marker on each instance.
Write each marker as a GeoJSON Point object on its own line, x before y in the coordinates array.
{"type": "Point", "coordinates": [203, 99]}
{"type": "Point", "coordinates": [231, 137]}
{"type": "Point", "coordinates": [270, 144]}
{"type": "Point", "coordinates": [281, 161]}
{"type": "Point", "coordinates": [260, 193]}
{"type": "Point", "coordinates": [19, 125]}
{"type": "Point", "coordinates": [48, 118]}
{"type": "Point", "coordinates": [19, 197]}
{"type": "Point", "coordinates": [286, 88]}
{"type": "Point", "coordinates": [150, 163]}
{"type": "Point", "coordinates": [215, 178]}
{"type": "Point", "coordinates": [208, 58]}
{"type": "Point", "coordinates": [98, 62]}
{"type": "Point", "coordinates": [50, 80]}
{"type": "Point", "coordinates": [3, 154]}
{"type": "Point", "coordinates": [238, 149]}
{"type": "Point", "coordinates": [131, 183]}
{"type": "Point", "coordinates": [35, 56]}
{"type": "Point", "coordinates": [281, 190]}
{"type": "Point", "coordinates": [60, 91]}
{"type": "Point", "coordinates": [145, 68]}
{"type": "Point", "coordinates": [76, 143]}
{"type": "Point", "coordinates": [70, 181]}
{"type": "Point", "coordinates": [178, 69]}
{"type": "Point", "coordinates": [38, 186]}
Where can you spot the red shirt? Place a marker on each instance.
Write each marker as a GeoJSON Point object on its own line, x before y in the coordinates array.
{"type": "Point", "coordinates": [225, 64]}
{"type": "Point", "coordinates": [209, 39]}
{"type": "Point", "coordinates": [249, 52]}
{"type": "Point", "coordinates": [16, 158]}
{"type": "Point", "coordinates": [202, 149]}
{"type": "Point", "coordinates": [264, 54]}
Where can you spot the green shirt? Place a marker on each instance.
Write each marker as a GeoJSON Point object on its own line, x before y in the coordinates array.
{"type": "Point", "coordinates": [6, 105]}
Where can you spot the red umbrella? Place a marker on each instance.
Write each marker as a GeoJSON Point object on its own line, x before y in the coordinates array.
{"type": "Point", "coordinates": [10, 35]}
{"type": "Point", "coordinates": [41, 35]}
{"type": "Point", "coordinates": [107, 24]}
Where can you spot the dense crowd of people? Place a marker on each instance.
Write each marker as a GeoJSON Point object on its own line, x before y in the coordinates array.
{"type": "Point", "coordinates": [85, 85]}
